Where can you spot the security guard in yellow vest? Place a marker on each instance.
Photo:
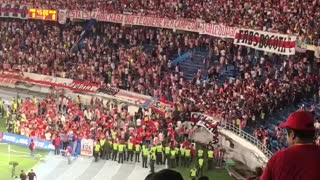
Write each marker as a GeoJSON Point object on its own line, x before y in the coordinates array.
{"type": "Point", "coordinates": [145, 153]}
{"type": "Point", "coordinates": [115, 151]}
{"type": "Point", "coordinates": [182, 157]}
{"type": "Point", "coordinates": [19, 101]}
{"type": "Point", "coordinates": [102, 143]}
{"type": "Point", "coordinates": [193, 174]}
{"type": "Point", "coordinates": [187, 156]}
{"type": "Point", "coordinates": [121, 148]}
{"type": "Point", "coordinates": [152, 160]}
{"type": "Point", "coordinates": [15, 127]}
{"type": "Point", "coordinates": [153, 148]}
{"type": "Point", "coordinates": [15, 107]}
{"type": "Point", "coordinates": [107, 149]}
{"type": "Point", "coordinates": [159, 154]}
{"type": "Point", "coordinates": [177, 156]}
{"type": "Point", "coordinates": [200, 166]}
{"type": "Point", "coordinates": [210, 159]}
{"type": "Point", "coordinates": [97, 151]}
{"type": "Point", "coordinates": [200, 154]}
{"type": "Point", "coordinates": [130, 151]}
{"type": "Point", "coordinates": [137, 150]}
{"type": "Point", "coordinates": [166, 154]}
{"type": "Point", "coordinates": [173, 154]}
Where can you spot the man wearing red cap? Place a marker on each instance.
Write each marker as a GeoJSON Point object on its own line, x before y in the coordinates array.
{"type": "Point", "coordinates": [302, 159]}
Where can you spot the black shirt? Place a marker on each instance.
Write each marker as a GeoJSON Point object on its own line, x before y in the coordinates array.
{"type": "Point", "coordinates": [31, 175]}
{"type": "Point", "coordinates": [23, 176]}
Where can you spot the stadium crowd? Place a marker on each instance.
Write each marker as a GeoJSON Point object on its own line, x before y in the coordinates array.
{"type": "Point", "coordinates": [284, 16]}
{"type": "Point", "coordinates": [139, 59]}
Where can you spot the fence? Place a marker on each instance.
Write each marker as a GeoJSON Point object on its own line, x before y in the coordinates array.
{"type": "Point", "coordinates": [249, 138]}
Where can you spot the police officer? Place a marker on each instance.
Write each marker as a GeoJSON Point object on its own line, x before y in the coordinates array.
{"type": "Point", "coordinates": [210, 158]}
{"type": "Point", "coordinates": [145, 153]}
{"type": "Point", "coordinates": [115, 151]}
{"type": "Point", "coordinates": [159, 154]}
{"type": "Point", "coordinates": [130, 151]}
{"type": "Point", "coordinates": [152, 160]}
{"type": "Point", "coordinates": [137, 150]}
{"type": "Point", "coordinates": [193, 173]}
{"type": "Point", "coordinates": [200, 166]}
{"type": "Point", "coordinates": [97, 151]}
{"type": "Point", "coordinates": [166, 154]}
{"type": "Point", "coordinates": [121, 148]}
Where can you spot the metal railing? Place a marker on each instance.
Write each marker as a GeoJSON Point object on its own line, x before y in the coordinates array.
{"type": "Point", "coordinates": [249, 138]}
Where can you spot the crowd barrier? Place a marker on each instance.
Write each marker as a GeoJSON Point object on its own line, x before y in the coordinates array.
{"type": "Point", "coordinates": [25, 141]}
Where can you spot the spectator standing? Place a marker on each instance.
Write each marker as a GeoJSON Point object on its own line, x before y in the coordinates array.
{"type": "Point", "coordinates": [302, 159]}
{"type": "Point", "coordinates": [32, 175]}
{"type": "Point", "coordinates": [23, 175]}
{"type": "Point", "coordinates": [32, 148]}
{"type": "Point", "coordinates": [57, 143]}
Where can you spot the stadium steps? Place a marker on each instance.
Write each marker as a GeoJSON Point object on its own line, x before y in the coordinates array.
{"type": "Point", "coordinates": [191, 67]}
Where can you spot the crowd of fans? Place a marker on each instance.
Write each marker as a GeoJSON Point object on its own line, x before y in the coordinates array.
{"type": "Point", "coordinates": [66, 121]}
{"type": "Point", "coordinates": [139, 59]}
{"type": "Point", "coordinates": [284, 16]}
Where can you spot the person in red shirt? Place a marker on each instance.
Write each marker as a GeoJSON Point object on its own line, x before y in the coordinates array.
{"type": "Point", "coordinates": [32, 147]}
{"type": "Point", "coordinates": [302, 159]}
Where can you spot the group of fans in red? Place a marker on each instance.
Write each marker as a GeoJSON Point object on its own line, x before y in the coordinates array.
{"type": "Point", "coordinates": [138, 59]}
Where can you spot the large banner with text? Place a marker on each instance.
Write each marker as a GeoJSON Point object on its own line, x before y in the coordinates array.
{"type": "Point", "coordinates": [266, 41]}
{"type": "Point", "coordinates": [216, 30]}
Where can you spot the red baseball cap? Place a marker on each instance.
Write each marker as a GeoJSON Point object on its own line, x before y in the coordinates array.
{"type": "Point", "coordinates": [300, 120]}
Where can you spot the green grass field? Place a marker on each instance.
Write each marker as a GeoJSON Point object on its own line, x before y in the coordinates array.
{"type": "Point", "coordinates": [216, 174]}
{"type": "Point", "coordinates": [18, 154]}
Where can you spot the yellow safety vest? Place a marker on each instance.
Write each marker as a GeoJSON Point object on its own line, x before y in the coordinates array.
{"type": "Point", "coordinates": [200, 162]}
{"type": "Point", "coordinates": [159, 148]}
{"type": "Point", "coordinates": [113, 135]}
{"type": "Point", "coordinates": [130, 146]}
{"type": "Point", "coordinates": [15, 106]}
{"type": "Point", "coordinates": [173, 154]}
{"type": "Point", "coordinates": [138, 147]}
{"type": "Point", "coordinates": [153, 149]}
{"type": "Point", "coordinates": [115, 146]}
{"type": "Point", "coordinates": [19, 101]}
{"type": "Point", "coordinates": [193, 172]}
{"type": "Point", "coordinates": [153, 156]}
{"type": "Point", "coordinates": [97, 148]}
{"type": "Point", "coordinates": [121, 147]}
{"type": "Point", "coordinates": [210, 154]}
{"type": "Point", "coordinates": [167, 150]}
{"type": "Point", "coordinates": [145, 152]}
{"type": "Point", "coordinates": [200, 153]}
{"type": "Point", "coordinates": [188, 152]}
{"type": "Point", "coordinates": [182, 151]}
{"type": "Point", "coordinates": [102, 142]}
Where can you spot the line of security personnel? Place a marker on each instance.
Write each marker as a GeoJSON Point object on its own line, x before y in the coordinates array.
{"type": "Point", "coordinates": [120, 151]}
